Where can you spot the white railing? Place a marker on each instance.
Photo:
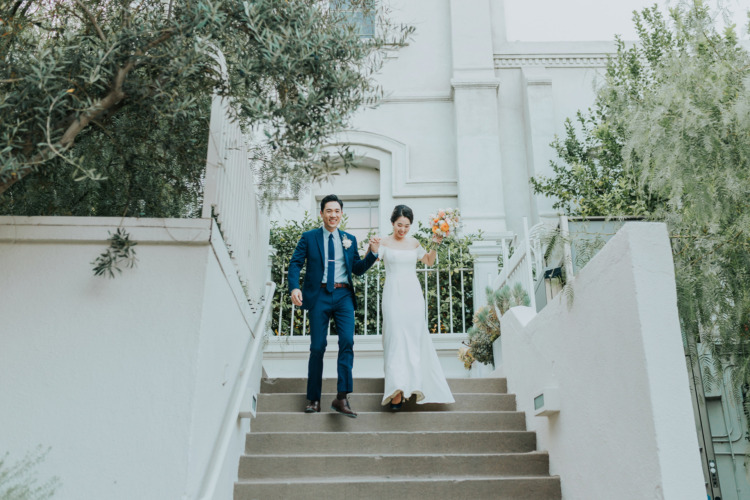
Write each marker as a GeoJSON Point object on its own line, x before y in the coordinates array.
{"type": "Point", "coordinates": [288, 319]}
{"type": "Point", "coordinates": [567, 250]}
{"type": "Point", "coordinates": [525, 266]}
{"type": "Point", "coordinates": [250, 364]}
{"type": "Point", "coordinates": [230, 197]}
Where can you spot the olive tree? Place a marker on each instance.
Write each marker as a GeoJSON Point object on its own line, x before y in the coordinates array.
{"type": "Point", "coordinates": [104, 105]}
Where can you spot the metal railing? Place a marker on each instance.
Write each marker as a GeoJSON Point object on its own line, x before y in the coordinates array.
{"type": "Point", "coordinates": [447, 310]}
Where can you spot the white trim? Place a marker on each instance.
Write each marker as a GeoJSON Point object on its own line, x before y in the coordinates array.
{"type": "Point", "coordinates": [551, 61]}
{"type": "Point", "coordinates": [417, 97]}
{"type": "Point", "coordinates": [402, 183]}
{"type": "Point", "coordinates": [97, 229]}
{"type": "Point", "coordinates": [365, 346]}
{"type": "Point", "coordinates": [491, 84]}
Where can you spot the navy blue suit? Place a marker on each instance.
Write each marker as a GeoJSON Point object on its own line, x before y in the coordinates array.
{"type": "Point", "coordinates": [323, 305]}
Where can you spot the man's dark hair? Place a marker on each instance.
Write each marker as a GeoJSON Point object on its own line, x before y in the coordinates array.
{"type": "Point", "coordinates": [330, 197]}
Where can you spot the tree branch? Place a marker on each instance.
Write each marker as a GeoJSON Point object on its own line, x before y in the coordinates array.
{"type": "Point", "coordinates": [109, 102]}
{"type": "Point", "coordinates": [15, 8]}
{"type": "Point", "coordinates": [92, 19]}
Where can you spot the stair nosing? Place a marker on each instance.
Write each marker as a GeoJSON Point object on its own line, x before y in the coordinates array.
{"type": "Point", "coordinates": [380, 478]}
{"type": "Point", "coordinates": [413, 455]}
{"type": "Point", "coordinates": [341, 433]}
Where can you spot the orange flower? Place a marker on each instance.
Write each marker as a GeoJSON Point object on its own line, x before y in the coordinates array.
{"type": "Point", "coordinates": [444, 227]}
{"type": "Point", "coordinates": [435, 219]}
{"type": "Point", "coordinates": [434, 229]}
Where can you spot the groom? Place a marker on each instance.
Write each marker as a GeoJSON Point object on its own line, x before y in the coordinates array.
{"type": "Point", "coordinates": [328, 292]}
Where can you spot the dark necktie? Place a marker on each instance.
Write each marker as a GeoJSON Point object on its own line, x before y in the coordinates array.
{"type": "Point", "coordinates": [331, 264]}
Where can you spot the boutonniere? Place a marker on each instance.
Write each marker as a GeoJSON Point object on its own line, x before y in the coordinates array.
{"type": "Point", "coordinates": [346, 242]}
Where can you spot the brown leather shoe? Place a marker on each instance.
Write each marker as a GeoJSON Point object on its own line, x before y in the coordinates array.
{"type": "Point", "coordinates": [312, 407]}
{"type": "Point", "coordinates": [342, 406]}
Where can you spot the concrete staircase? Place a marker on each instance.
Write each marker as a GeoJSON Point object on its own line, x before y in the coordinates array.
{"type": "Point", "coordinates": [476, 448]}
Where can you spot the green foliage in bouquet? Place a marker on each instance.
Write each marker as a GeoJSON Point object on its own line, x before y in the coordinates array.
{"type": "Point", "coordinates": [486, 328]}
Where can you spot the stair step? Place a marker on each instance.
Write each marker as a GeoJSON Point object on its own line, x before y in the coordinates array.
{"type": "Point", "coordinates": [295, 402]}
{"type": "Point", "coordinates": [363, 488]}
{"type": "Point", "coordinates": [477, 447]}
{"type": "Point", "coordinates": [375, 385]}
{"type": "Point", "coordinates": [393, 465]}
{"type": "Point", "coordinates": [270, 443]}
{"type": "Point", "coordinates": [330, 421]}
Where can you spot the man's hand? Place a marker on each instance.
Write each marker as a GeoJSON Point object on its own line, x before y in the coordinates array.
{"type": "Point", "coordinates": [374, 244]}
{"type": "Point", "coordinates": [297, 297]}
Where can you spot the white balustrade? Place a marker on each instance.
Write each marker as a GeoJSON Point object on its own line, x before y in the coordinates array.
{"type": "Point", "coordinates": [525, 265]}
{"type": "Point", "coordinates": [230, 197]}
{"type": "Point", "coordinates": [289, 321]}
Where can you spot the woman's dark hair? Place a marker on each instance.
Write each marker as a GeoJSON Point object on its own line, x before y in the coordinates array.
{"type": "Point", "coordinates": [402, 211]}
{"type": "Point", "coordinates": [330, 197]}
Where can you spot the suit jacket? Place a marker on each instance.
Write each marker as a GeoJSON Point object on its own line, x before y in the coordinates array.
{"type": "Point", "coordinates": [310, 249]}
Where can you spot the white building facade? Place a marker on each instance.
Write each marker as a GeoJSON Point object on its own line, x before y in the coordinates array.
{"type": "Point", "coordinates": [467, 119]}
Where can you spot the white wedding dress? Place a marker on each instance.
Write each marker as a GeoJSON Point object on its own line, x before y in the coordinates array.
{"type": "Point", "coordinates": [411, 363]}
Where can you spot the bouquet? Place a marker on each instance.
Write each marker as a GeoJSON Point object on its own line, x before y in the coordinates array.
{"type": "Point", "coordinates": [444, 223]}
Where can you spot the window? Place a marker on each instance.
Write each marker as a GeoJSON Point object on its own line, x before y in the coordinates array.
{"type": "Point", "coordinates": [364, 22]}
{"type": "Point", "coordinates": [362, 217]}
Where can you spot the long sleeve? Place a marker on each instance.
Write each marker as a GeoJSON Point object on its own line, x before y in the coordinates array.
{"type": "Point", "coordinates": [296, 263]}
{"type": "Point", "coordinates": [359, 265]}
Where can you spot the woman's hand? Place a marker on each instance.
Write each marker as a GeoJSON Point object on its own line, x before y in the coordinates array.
{"type": "Point", "coordinates": [374, 244]}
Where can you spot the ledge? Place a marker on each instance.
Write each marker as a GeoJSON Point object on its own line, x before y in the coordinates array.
{"type": "Point", "coordinates": [298, 346]}
{"type": "Point", "coordinates": [15, 229]}
{"type": "Point", "coordinates": [554, 55]}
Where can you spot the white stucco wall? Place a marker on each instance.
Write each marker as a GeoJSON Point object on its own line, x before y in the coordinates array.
{"type": "Point", "coordinates": [476, 97]}
{"type": "Point", "coordinates": [459, 101]}
{"type": "Point", "coordinates": [625, 427]}
{"type": "Point", "coordinates": [127, 380]}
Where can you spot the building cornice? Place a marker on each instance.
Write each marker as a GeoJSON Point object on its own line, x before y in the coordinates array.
{"type": "Point", "coordinates": [554, 54]}
{"type": "Point", "coordinates": [503, 61]}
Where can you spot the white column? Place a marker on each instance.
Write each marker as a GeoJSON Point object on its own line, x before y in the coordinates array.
{"type": "Point", "coordinates": [486, 254]}
{"type": "Point", "coordinates": [475, 88]}
{"type": "Point", "coordinates": [269, 265]}
{"type": "Point", "coordinates": [540, 132]}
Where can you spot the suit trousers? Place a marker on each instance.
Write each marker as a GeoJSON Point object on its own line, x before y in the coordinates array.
{"type": "Point", "coordinates": [339, 306]}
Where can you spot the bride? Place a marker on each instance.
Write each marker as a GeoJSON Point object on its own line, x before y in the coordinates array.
{"type": "Point", "coordinates": [411, 364]}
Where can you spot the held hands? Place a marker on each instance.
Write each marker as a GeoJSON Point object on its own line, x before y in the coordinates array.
{"type": "Point", "coordinates": [437, 239]}
{"type": "Point", "coordinates": [374, 244]}
{"type": "Point", "coordinates": [297, 297]}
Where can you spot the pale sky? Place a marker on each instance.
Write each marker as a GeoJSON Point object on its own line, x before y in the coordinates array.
{"type": "Point", "coordinates": [589, 20]}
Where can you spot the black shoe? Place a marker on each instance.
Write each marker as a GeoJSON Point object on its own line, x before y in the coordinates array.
{"type": "Point", "coordinates": [397, 407]}
{"type": "Point", "coordinates": [342, 406]}
{"type": "Point", "coordinates": [312, 407]}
